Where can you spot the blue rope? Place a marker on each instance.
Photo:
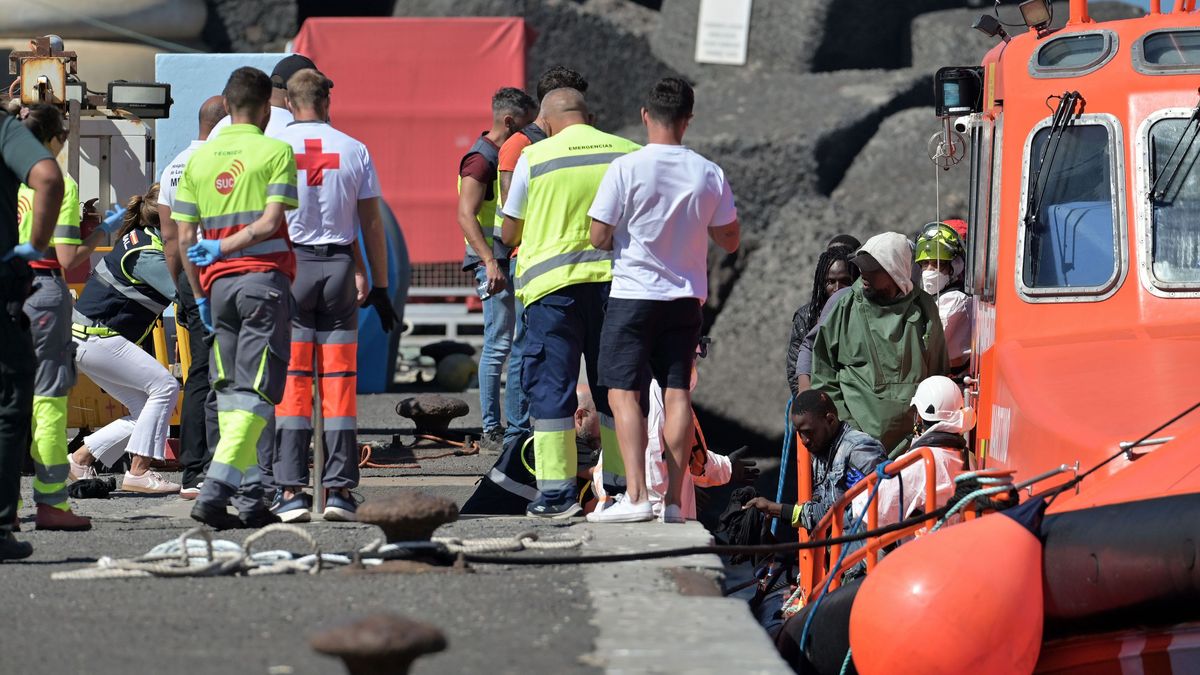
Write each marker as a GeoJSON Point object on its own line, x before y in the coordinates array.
{"type": "Point", "coordinates": [881, 475]}
{"type": "Point", "coordinates": [846, 664]}
{"type": "Point", "coordinates": [785, 455]}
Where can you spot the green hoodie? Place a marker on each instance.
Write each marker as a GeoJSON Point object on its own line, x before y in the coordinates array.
{"type": "Point", "coordinates": [870, 357]}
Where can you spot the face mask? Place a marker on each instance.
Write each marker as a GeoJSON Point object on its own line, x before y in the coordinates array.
{"type": "Point", "coordinates": [933, 281]}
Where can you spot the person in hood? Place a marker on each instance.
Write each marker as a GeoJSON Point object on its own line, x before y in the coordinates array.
{"type": "Point", "coordinates": [941, 256]}
{"type": "Point", "coordinates": [877, 340]}
{"type": "Point", "coordinates": [941, 423]}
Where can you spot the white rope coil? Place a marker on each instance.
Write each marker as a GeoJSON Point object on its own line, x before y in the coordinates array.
{"type": "Point", "coordinates": [187, 556]}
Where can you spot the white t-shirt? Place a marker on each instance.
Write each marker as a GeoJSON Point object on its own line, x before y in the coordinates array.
{"type": "Point", "coordinates": [661, 200]}
{"type": "Point", "coordinates": [333, 172]}
{"type": "Point", "coordinates": [280, 118]}
{"type": "Point", "coordinates": [171, 175]}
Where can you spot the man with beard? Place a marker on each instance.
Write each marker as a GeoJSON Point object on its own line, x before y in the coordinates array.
{"type": "Point", "coordinates": [841, 457]}
{"type": "Point", "coordinates": [877, 341]}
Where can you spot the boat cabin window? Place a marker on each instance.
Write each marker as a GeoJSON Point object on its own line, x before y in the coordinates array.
{"type": "Point", "coordinates": [1168, 52]}
{"type": "Point", "coordinates": [980, 208]}
{"type": "Point", "coordinates": [1073, 55]}
{"type": "Point", "coordinates": [1175, 205]}
{"type": "Point", "coordinates": [1072, 245]}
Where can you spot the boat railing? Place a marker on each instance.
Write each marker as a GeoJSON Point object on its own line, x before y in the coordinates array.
{"type": "Point", "coordinates": [814, 563]}
{"type": "Point", "coordinates": [834, 524]}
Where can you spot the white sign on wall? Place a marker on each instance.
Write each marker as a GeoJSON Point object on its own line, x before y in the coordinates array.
{"type": "Point", "coordinates": [723, 32]}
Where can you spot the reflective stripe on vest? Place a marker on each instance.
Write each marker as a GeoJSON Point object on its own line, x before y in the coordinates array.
{"type": "Point", "coordinates": [276, 245]}
{"type": "Point", "coordinates": [104, 275]}
{"type": "Point", "coordinates": [565, 172]}
{"type": "Point", "coordinates": [114, 299]}
{"type": "Point", "coordinates": [227, 185]}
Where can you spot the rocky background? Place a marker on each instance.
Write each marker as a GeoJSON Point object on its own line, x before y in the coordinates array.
{"type": "Point", "coordinates": [824, 130]}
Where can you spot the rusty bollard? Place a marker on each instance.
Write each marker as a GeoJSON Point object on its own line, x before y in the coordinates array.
{"type": "Point", "coordinates": [431, 413]}
{"type": "Point", "coordinates": [408, 517]}
{"type": "Point", "coordinates": [379, 644]}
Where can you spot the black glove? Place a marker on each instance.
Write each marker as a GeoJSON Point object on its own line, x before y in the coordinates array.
{"type": "Point", "coordinates": [744, 471]}
{"type": "Point", "coordinates": [378, 298]}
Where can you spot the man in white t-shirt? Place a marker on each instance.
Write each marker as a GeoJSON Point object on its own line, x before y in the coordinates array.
{"type": "Point", "coordinates": [198, 411]}
{"type": "Point", "coordinates": [337, 188]}
{"type": "Point", "coordinates": [281, 116]}
{"type": "Point", "coordinates": [655, 210]}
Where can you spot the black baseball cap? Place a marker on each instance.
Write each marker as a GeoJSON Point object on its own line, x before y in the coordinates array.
{"type": "Point", "coordinates": [289, 66]}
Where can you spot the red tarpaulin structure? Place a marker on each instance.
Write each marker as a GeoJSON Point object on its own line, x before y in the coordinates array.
{"type": "Point", "coordinates": [417, 92]}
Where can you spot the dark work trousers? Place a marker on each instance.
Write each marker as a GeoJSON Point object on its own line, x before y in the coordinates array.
{"type": "Point", "coordinates": [198, 426]}
{"type": "Point", "coordinates": [252, 312]}
{"type": "Point", "coordinates": [324, 345]}
{"type": "Point", "coordinates": [17, 365]}
{"type": "Point", "coordinates": [195, 452]}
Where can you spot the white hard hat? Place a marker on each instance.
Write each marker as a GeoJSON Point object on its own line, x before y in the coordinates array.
{"type": "Point", "coordinates": [937, 399]}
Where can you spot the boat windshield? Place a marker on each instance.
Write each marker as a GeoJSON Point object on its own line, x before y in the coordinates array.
{"type": "Point", "coordinates": [1175, 208]}
{"type": "Point", "coordinates": [1072, 240]}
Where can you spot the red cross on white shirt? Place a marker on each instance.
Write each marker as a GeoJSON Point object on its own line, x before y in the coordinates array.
{"type": "Point", "coordinates": [314, 162]}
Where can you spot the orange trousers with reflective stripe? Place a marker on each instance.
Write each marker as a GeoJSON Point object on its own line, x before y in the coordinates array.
{"type": "Point", "coordinates": [324, 354]}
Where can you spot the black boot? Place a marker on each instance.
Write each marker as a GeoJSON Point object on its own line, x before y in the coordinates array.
{"type": "Point", "coordinates": [215, 517]}
{"type": "Point", "coordinates": [258, 518]}
{"type": "Point", "coordinates": [12, 549]}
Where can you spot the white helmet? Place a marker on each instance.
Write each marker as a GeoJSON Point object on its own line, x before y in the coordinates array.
{"type": "Point", "coordinates": [938, 399]}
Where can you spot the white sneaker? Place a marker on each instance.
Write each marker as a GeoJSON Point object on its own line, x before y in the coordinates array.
{"type": "Point", "coordinates": [623, 511]}
{"type": "Point", "coordinates": [192, 492]}
{"type": "Point", "coordinates": [672, 514]}
{"type": "Point", "coordinates": [79, 471]}
{"type": "Point", "coordinates": [150, 482]}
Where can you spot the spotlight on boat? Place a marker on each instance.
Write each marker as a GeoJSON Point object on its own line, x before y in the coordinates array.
{"type": "Point", "coordinates": [1037, 14]}
{"type": "Point", "coordinates": [990, 26]}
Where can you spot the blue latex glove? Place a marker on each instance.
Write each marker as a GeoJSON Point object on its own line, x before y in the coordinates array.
{"type": "Point", "coordinates": [24, 251]}
{"type": "Point", "coordinates": [205, 313]}
{"type": "Point", "coordinates": [113, 219]}
{"type": "Point", "coordinates": [205, 252]}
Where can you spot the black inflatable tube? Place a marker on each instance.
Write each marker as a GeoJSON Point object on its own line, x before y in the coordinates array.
{"type": "Point", "coordinates": [1104, 568]}
{"type": "Point", "coordinates": [1122, 564]}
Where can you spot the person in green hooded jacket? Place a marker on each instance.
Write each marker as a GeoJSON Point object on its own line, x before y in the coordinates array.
{"type": "Point", "coordinates": [877, 341]}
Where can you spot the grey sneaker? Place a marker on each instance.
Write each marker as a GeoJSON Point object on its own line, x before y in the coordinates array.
{"type": "Point", "coordinates": [492, 441]}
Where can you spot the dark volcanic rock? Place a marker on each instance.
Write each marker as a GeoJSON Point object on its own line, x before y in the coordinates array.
{"type": "Point", "coordinates": [408, 517]}
{"type": "Point", "coordinates": [784, 37]}
{"type": "Point", "coordinates": [946, 39]}
{"type": "Point", "coordinates": [893, 179]}
{"type": "Point", "coordinates": [743, 380]}
{"type": "Point", "coordinates": [799, 36]}
{"type": "Point", "coordinates": [260, 26]}
{"type": "Point", "coordinates": [776, 145]}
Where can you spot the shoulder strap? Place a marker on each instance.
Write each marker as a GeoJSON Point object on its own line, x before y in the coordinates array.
{"type": "Point", "coordinates": [482, 147]}
{"type": "Point", "coordinates": [534, 133]}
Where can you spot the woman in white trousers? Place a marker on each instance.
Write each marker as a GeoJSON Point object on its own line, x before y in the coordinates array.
{"type": "Point", "coordinates": [123, 298]}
